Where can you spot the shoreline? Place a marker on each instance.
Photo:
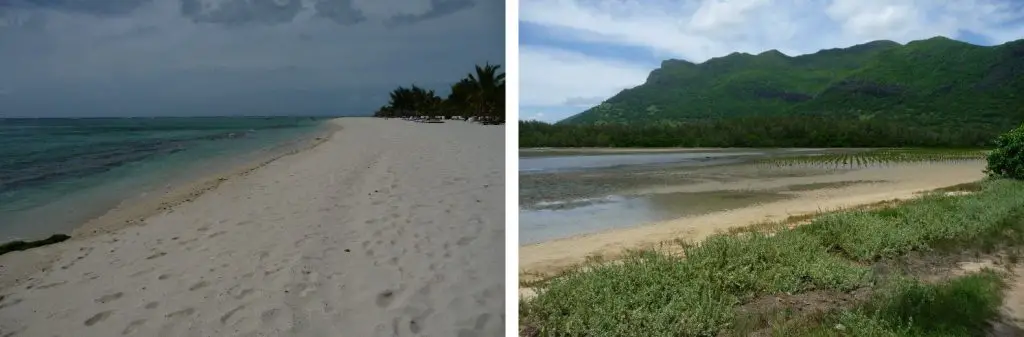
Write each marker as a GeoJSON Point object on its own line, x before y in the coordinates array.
{"type": "Point", "coordinates": [553, 256]}
{"type": "Point", "coordinates": [134, 211]}
{"type": "Point", "coordinates": [387, 223]}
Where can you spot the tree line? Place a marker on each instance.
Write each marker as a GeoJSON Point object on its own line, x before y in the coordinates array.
{"type": "Point", "coordinates": [480, 94]}
{"type": "Point", "coordinates": [758, 131]}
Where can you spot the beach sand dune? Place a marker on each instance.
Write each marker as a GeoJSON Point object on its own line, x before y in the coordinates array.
{"type": "Point", "coordinates": [389, 228]}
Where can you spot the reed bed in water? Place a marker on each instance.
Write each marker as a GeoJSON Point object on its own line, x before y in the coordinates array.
{"type": "Point", "coordinates": [874, 158]}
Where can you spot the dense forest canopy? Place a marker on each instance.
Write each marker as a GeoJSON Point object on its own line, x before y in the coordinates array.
{"type": "Point", "coordinates": [755, 131]}
{"type": "Point", "coordinates": [480, 94]}
{"type": "Point", "coordinates": [934, 92]}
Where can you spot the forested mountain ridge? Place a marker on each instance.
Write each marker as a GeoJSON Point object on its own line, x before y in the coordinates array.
{"type": "Point", "coordinates": [933, 82]}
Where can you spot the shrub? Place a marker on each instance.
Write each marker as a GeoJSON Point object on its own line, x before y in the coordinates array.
{"type": "Point", "coordinates": [1007, 159]}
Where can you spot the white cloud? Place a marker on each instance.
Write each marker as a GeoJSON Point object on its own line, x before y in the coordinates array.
{"type": "Point", "coordinates": [557, 77]}
{"type": "Point", "coordinates": [699, 30]}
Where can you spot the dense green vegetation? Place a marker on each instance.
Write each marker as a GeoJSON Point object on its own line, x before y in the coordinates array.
{"type": "Point", "coordinates": [480, 94]}
{"type": "Point", "coordinates": [934, 83]}
{"type": "Point", "coordinates": [757, 131]}
{"type": "Point", "coordinates": [654, 293]}
{"type": "Point", "coordinates": [1007, 159]}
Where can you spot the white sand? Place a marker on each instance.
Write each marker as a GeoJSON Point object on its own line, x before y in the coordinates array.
{"type": "Point", "coordinates": [390, 228]}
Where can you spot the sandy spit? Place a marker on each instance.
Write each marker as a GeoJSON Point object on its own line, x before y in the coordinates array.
{"type": "Point", "coordinates": [387, 228]}
{"type": "Point", "coordinates": [901, 182]}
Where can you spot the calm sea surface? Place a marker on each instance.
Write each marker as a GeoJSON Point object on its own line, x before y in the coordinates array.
{"type": "Point", "coordinates": [57, 173]}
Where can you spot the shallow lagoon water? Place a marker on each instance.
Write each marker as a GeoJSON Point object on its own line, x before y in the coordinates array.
{"type": "Point", "coordinates": [583, 162]}
{"type": "Point", "coordinates": [565, 219]}
{"type": "Point", "coordinates": [564, 195]}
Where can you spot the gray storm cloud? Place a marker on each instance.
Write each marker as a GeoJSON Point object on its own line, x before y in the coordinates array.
{"type": "Point", "coordinates": [229, 57]}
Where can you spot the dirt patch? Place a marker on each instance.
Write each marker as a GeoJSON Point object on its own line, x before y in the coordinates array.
{"type": "Point", "coordinates": [941, 266]}
{"type": "Point", "coordinates": [757, 317]}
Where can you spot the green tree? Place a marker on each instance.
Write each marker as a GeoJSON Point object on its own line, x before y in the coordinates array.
{"type": "Point", "coordinates": [479, 94]}
{"type": "Point", "coordinates": [1007, 159]}
{"type": "Point", "coordinates": [488, 96]}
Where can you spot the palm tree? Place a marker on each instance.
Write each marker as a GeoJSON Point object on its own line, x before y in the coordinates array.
{"type": "Point", "coordinates": [461, 97]}
{"type": "Point", "coordinates": [479, 94]}
{"type": "Point", "coordinates": [489, 96]}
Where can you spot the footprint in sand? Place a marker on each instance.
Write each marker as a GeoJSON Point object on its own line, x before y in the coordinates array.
{"type": "Point", "coordinates": [51, 285]}
{"type": "Point", "coordinates": [15, 332]}
{"type": "Point", "coordinates": [384, 298]}
{"type": "Point", "coordinates": [98, 317]}
{"type": "Point", "coordinates": [481, 321]}
{"type": "Point", "coordinates": [174, 320]}
{"type": "Point", "coordinates": [198, 285]}
{"type": "Point", "coordinates": [272, 271]}
{"type": "Point", "coordinates": [141, 272]}
{"type": "Point", "coordinates": [243, 294]}
{"type": "Point", "coordinates": [269, 315]}
{"type": "Point", "coordinates": [11, 303]}
{"type": "Point", "coordinates": [224, 318]}
{"type": "Point", "coordinates": [158, 254]}
{"type": "Point", "coordinates": [134, 325]}
{"type": "Point", "coordinates": [414, 327]}
{"type": "Point", "coordinates": [152, 305]}
{"type": "Point", "coordinates": [181, 313]}
{"type": "Point", "coordinates": [108, 298]}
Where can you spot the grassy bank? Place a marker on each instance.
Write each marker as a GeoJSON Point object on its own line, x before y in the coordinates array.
{"type": "Point", "coordinates": [834, 276]}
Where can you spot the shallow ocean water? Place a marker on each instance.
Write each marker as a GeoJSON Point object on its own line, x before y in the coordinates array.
{"type": "Point", "coordinates": [57, 173]}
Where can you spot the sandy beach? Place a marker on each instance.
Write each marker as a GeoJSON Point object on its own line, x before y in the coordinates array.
{"type": "Point", "coordinates": [808, 194]}
{"type": "Point", "coordinates": [386, 228]}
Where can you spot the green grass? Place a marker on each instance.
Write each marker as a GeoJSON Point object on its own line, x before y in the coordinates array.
{"type": "Point", "coordinates": [651, 293]}
{"type": "Point", "coordinates": [922, 223]}
{"type": "Point", "coordinates": [667, 295]}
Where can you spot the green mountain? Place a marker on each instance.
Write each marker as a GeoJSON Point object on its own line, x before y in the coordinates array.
{"type": "Point", "coordinates": [931, 82]}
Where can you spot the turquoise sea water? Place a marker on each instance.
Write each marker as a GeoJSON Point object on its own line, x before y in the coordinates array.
{"type": "Point", "coordinates": [57, 173]}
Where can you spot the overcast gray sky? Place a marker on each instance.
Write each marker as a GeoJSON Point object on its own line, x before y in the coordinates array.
{"type": "Point", "coordinates": [231, 57]}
